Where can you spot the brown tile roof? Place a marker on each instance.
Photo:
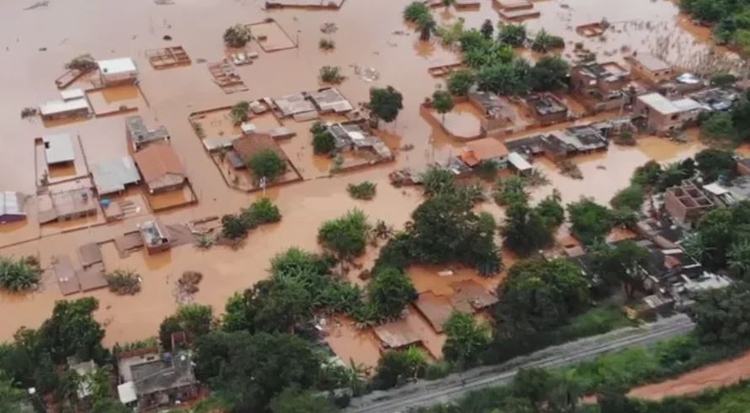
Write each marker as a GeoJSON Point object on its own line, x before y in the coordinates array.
{"type": "Point", "coordinates": [158, 160]}
{"type": "Point", "coordinates": [488, 148]}
{"type": "Point", "coordinates": [435, 308]}
{"type": "Point", "coordinates": [249, 145]}
{"type": "Point", "coordinates": [469, 158]}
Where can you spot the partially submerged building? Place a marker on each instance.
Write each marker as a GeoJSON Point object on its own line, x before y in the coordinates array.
{"type": "Point", "coordinates": [602, 84]}
{"type": "Point", "coordinates": [330, 100]}
{"type": "Point", "coordinates": [73, 103]}
{"type": "Point", "coordinates": [117, 71]}
{"type": "Point", "coordinates": [573, 141]}
{"type": "Point", "coordinates": [114, 175]}
{"type": "Point", "coordinates": [498, 113]}
{"type": "Point", "coordinates": [650, 67]}
{"type": "Point", "coordinates": [151, 380]}
{"type": "Point", "coordinates": [687, 203]}
{"type": "Point", "coordinates": [660, 115]}
{"type": "Point", "coordinates": [58, 149]}
{"type": "Point", "coordinates": [68, 205]}
{"type": "Point", "coordinates": [160, 168]}
{"type": "Point", "coordinates": [12, 207]}
{"type": "Point", "coordinates": [156, 236]}
{"type": "Point", "coordinates": [716, 99]}
{"type": "Point", "coordinates": [485, 150]}
{"type": "Point", "coordinates": [547, 108]}
{"type": "Point", "coordinates": [139, 135]}
{"type": "Point", "coordinates": [248, 145]}
{"type": "Point", "coordinates": [351, 136]}
{"type": "Point", "coordinates": [295, 105]}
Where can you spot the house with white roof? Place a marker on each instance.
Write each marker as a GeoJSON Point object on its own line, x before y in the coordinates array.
{"type": "Point", "coordinates": [117, 71]}
{"type": "Point", "coordinates": [661, 115]}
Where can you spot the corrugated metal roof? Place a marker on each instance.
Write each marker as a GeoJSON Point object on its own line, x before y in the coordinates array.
{"type": "Point", "coordinates": [518, 161]}
{"type": "Point", "coordinates": [58, 148]}
{"type": "Point", "coordinates": [11, 203]}
{"type": "Point", "coordinates": [57, 107]}
{"type": "Point", "coordinates": [112, 176]}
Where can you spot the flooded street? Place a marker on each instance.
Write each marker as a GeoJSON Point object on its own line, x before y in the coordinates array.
{"type": "Point", "coordinates": [367, 37]}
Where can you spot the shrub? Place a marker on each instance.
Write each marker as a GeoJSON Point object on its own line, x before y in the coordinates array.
{"type": "Point", "coordinates": [239, 111]}
{"type": "Point", "coordinates": [366, 190]}
{"type": "Point", "coordinates": [262, 211]}
{"type": "Point", "coordinates": [331, 74]}
{"type": "Point", "coordinates": [415, 10]}
{"type": "Point", "coordinates": [237, 35]}
{"type": "Point", "coordinates": [487, 170]}
{"type": "Point", "coordinates": [19, 275]}
{"type": "Point", "coordinates": [324, 143]}
{"type": "Point", "coordinates": [326, 44]}
{"type": "Point", "coordinates": [124, 282]}
{"type": "Point", "coordinates": [84, 63]}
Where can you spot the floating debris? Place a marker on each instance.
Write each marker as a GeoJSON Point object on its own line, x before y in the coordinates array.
{"type": "Point", "coordinates": [329, 28]}
{"type": "Point", "coordinates": [368, 74]}
{"type": "Point", "coordinates": [163, 2]}
{"type": "Point", "coordinates": [38, 5]}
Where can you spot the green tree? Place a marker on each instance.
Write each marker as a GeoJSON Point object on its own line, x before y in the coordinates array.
{"type": "Point", "coordinates": [460, 82]}
{"type": "Point", "coordinates": [442, 102]}
{"type": "Point", "coordinates": [741, 116]}
{"type": "Point", "coordinates": [738, 258]}
{"type": "Point", "coordinates": [551, 210]}
{"type": "Point", "coordinates": [426, 26]}
{"type": "Point", "coordinates": [487, 29]}
{"type": "Point", "coordinates": [511, 189]}
{"type": "Point", "coordinates": [294, 401]}
{"type": "Point", "coordinates": [631, 198]}
{"type": "Point", "coordinates": [550, 73]}
{"type": "Point", "coordinates": [233, 227]}
{"type": "Point", "coordinates": [648, 175]}
{"type": "Point", "coordinates": [540, 294]}
{"type": "Point", "coordinates": [722, 315]}
{"type": "Point", "coordinates": [262, 211]}
{"type": "Point", "coordinates": [465, 339]}
{"type": "Point", "coordinates": [524, 230]}
{"type": "Point", "coordinates": [719, 126]}
{"type": "Point", "coordinates": [19, 275]}
{"type": "Point", "coordinates": [237, 36]}
{"type": "Point", "coordinates": [436, 181]}
{"type": "Point", "coordinates": [512, 34]}
{"type": "Point", "coordinates": [346, 236]}
{"type": "Point", "coordinates": [73, 331]}
{"type": "Point", "coordinates": [544, 42]}
{"type": "Point", "coordinates": [590, 221]}
{"type": "Point", "coordinates": [11, 398]}
{"type": "Point", "coordinates": [249, 371]}
{"type": "Point", "coordinates": [331, 74]}
{"type": "Point", "coordinates": [714, 164]}
{"type": "Point", "coordinates": [274, 305]}
{"type": "Point", "coordinates": [386, 103]}
{"type": "Point", "coordinates": [389, 292]}
{"type": "Point", "coordinates": [194, 320]}
{"type": "Point", "coordinates": [267, 163]}
{"type": "Point", "coordinates": [625, 263]}
{"type": "Point", "coordinates": [414, 10]}
{"type": "Point", "coordinates": [397, 367]}
{"type": "Point", "coordinates": [324, 143]}
{"type": "Point", "coordinates": [507, 79]}
{"type": "Point", "coordinates": [239, 112]}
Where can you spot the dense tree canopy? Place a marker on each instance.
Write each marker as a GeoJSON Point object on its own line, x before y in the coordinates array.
{"type": "Point", "coordinates": [540, 294]}
{"type": "Point", "coordinates": [386, 103]}
{"type": "Point", "coordinates": [722, 315]}
{"type": "Point", "coordinates": [397, 367]}
{"type": "Point", "coordinates": [505, 78]}
{"type": "Point", "coordinates": [714, 164]}
{"type": "Point", "coordinates": [549, 74]}
{"type": "Point", "coordinates": [273, 305]}
{"type": "Point", "coordinates": [460, 81]}
{"type": "Point", "coordinates": [589, 221]}
{"type": "Point", "coordinates": [194, 320]}
{"type": "Point", "coordinates": [719, 126]}
{"type": "Point", "coordinates": [720, 235]}
{"type": "Point", "coordinates": [389, 292]}
{"type": "Point", "coordinates": [512, 34]}
{"type": "Point", "coordinates": [294, 401]}
{"type": "Point", "coordinates": [465, 339]}
{"type": "Point", "coordinates": [625, 263]}
{"type": "Point", "coordinates": [251, 370]}
{"type": "Point", "coordinates": [17, 275]}
{"type": "Point", "coordinates": [345, 236]}
{"type": "Point", "coordinates": [631, 198]}
{"type": "Point", "coordinates": [525, 230]}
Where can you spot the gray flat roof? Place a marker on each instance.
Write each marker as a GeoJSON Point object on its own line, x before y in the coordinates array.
{"type": "Point", "coordinates": [58, 148]}
{"type": "Point", "coordinates": [113, 175]}
{"type": "Point", "coordinates": [651, 62]}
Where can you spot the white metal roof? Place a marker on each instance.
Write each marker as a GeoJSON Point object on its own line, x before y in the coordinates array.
{"type": "Point", "coordinates": [62, 106]}
{"type": "Point", "coordinates": [11, 203]}
{"type": "Point", "coordinates": [665, 106]}
{"type": "Point", "coordinates": [112, 176]}
{"type": "Point", "coordinates": [715, 189]}
{"type": "Point", "coordinates": [687, 104]}
{"type": "Point", "coordinates": [126, 391]}
{"type": "Point", "coordinates": [58, 148]}
{"type": "Point", "coordinates": [72, 94]}
{"type": "Point", "coordinates": [518, 161]}
{"type": "Point", "coordinates": [114, 66]}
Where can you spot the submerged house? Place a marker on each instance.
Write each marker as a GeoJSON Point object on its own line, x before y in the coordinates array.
{"type": "Point", "coordinates": [139, 135]}
{"type": "Point", "coordinates": [117, 71]}
{"type": "Point", "coordinates": [601, 84]}
{"type": "Point", "coordinates": [485, 150]}
{"type": "Point", "coordinates": [661, 115]}
{"type": "Point", "coordinates": [547, 108]}
{"type": "Point", "coordinates": [160, 168]}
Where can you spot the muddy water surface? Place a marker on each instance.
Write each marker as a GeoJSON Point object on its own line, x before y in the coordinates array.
{"type": "Point", "coordinates": [366, 38]}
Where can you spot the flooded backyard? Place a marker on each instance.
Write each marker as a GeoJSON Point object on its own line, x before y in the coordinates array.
{"type": "Point", "coordinates": [369, 35]}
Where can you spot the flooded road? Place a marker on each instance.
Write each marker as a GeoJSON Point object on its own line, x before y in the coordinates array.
{"type": "Point", "coordinates": [369, 36]}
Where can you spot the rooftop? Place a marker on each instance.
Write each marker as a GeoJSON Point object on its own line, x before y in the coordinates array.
{"type": "Point", "coordinates": [162, 374]}
{"type": "Point", "coordinates": [115, 66]}
{"type": "Point", "coordinates": [11, 203]}
{"type": "Point", "coordinates": [248, 145]}
{"type": "Point", "coordinates": [294, 104]}
{"type": "Point", "coordinates": [661, 104]}
{"type": "Point", "coordinates": [396, 334]}
{"type": "Point", "coordinates": [158, 160]}
{"type": "Point", "coordinates": [599, 71]}
{"type": "Point", "coordinates": [716, 99]}
{"type": "Point", "coordinates": [482, 149]}
{"type": "Point", "coordinates": [546, 104]}
{"type": "Point", "coordinates": [331, 100]}
{"type": "Point", "coordinates": [114, 175]}
{"type": "Point", "coordinates": [153, 232]}
{"type": "Point", "coordinates": [57, 107]}
{"type": "Point", "coordinates": [651, 62]}
{"type": "Point", "coordinates": [494, 107]}
{"type": "Point", "coordinates": [139, 133]}
{"type": "Point", "coordinates": [58, 148]}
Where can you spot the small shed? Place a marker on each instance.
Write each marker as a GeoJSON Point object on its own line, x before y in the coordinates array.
{"type": "Point", "coordinates": [11, 207]}
{"type": "Point", "coordinates": [58, 148]}
{"type": "Point", "coordinates": [112, 176]}
{"type": "Point", "coordinates": [519, 163]}
{"type": "Point", "coordinates": [121, 70]}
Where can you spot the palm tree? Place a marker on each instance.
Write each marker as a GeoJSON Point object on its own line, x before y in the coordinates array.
{"type": "Point", "coordinates": [426, 26]}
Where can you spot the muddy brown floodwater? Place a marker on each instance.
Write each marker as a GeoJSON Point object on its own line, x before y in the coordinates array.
{"type": "Point", "coordinates": [366, 38]}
